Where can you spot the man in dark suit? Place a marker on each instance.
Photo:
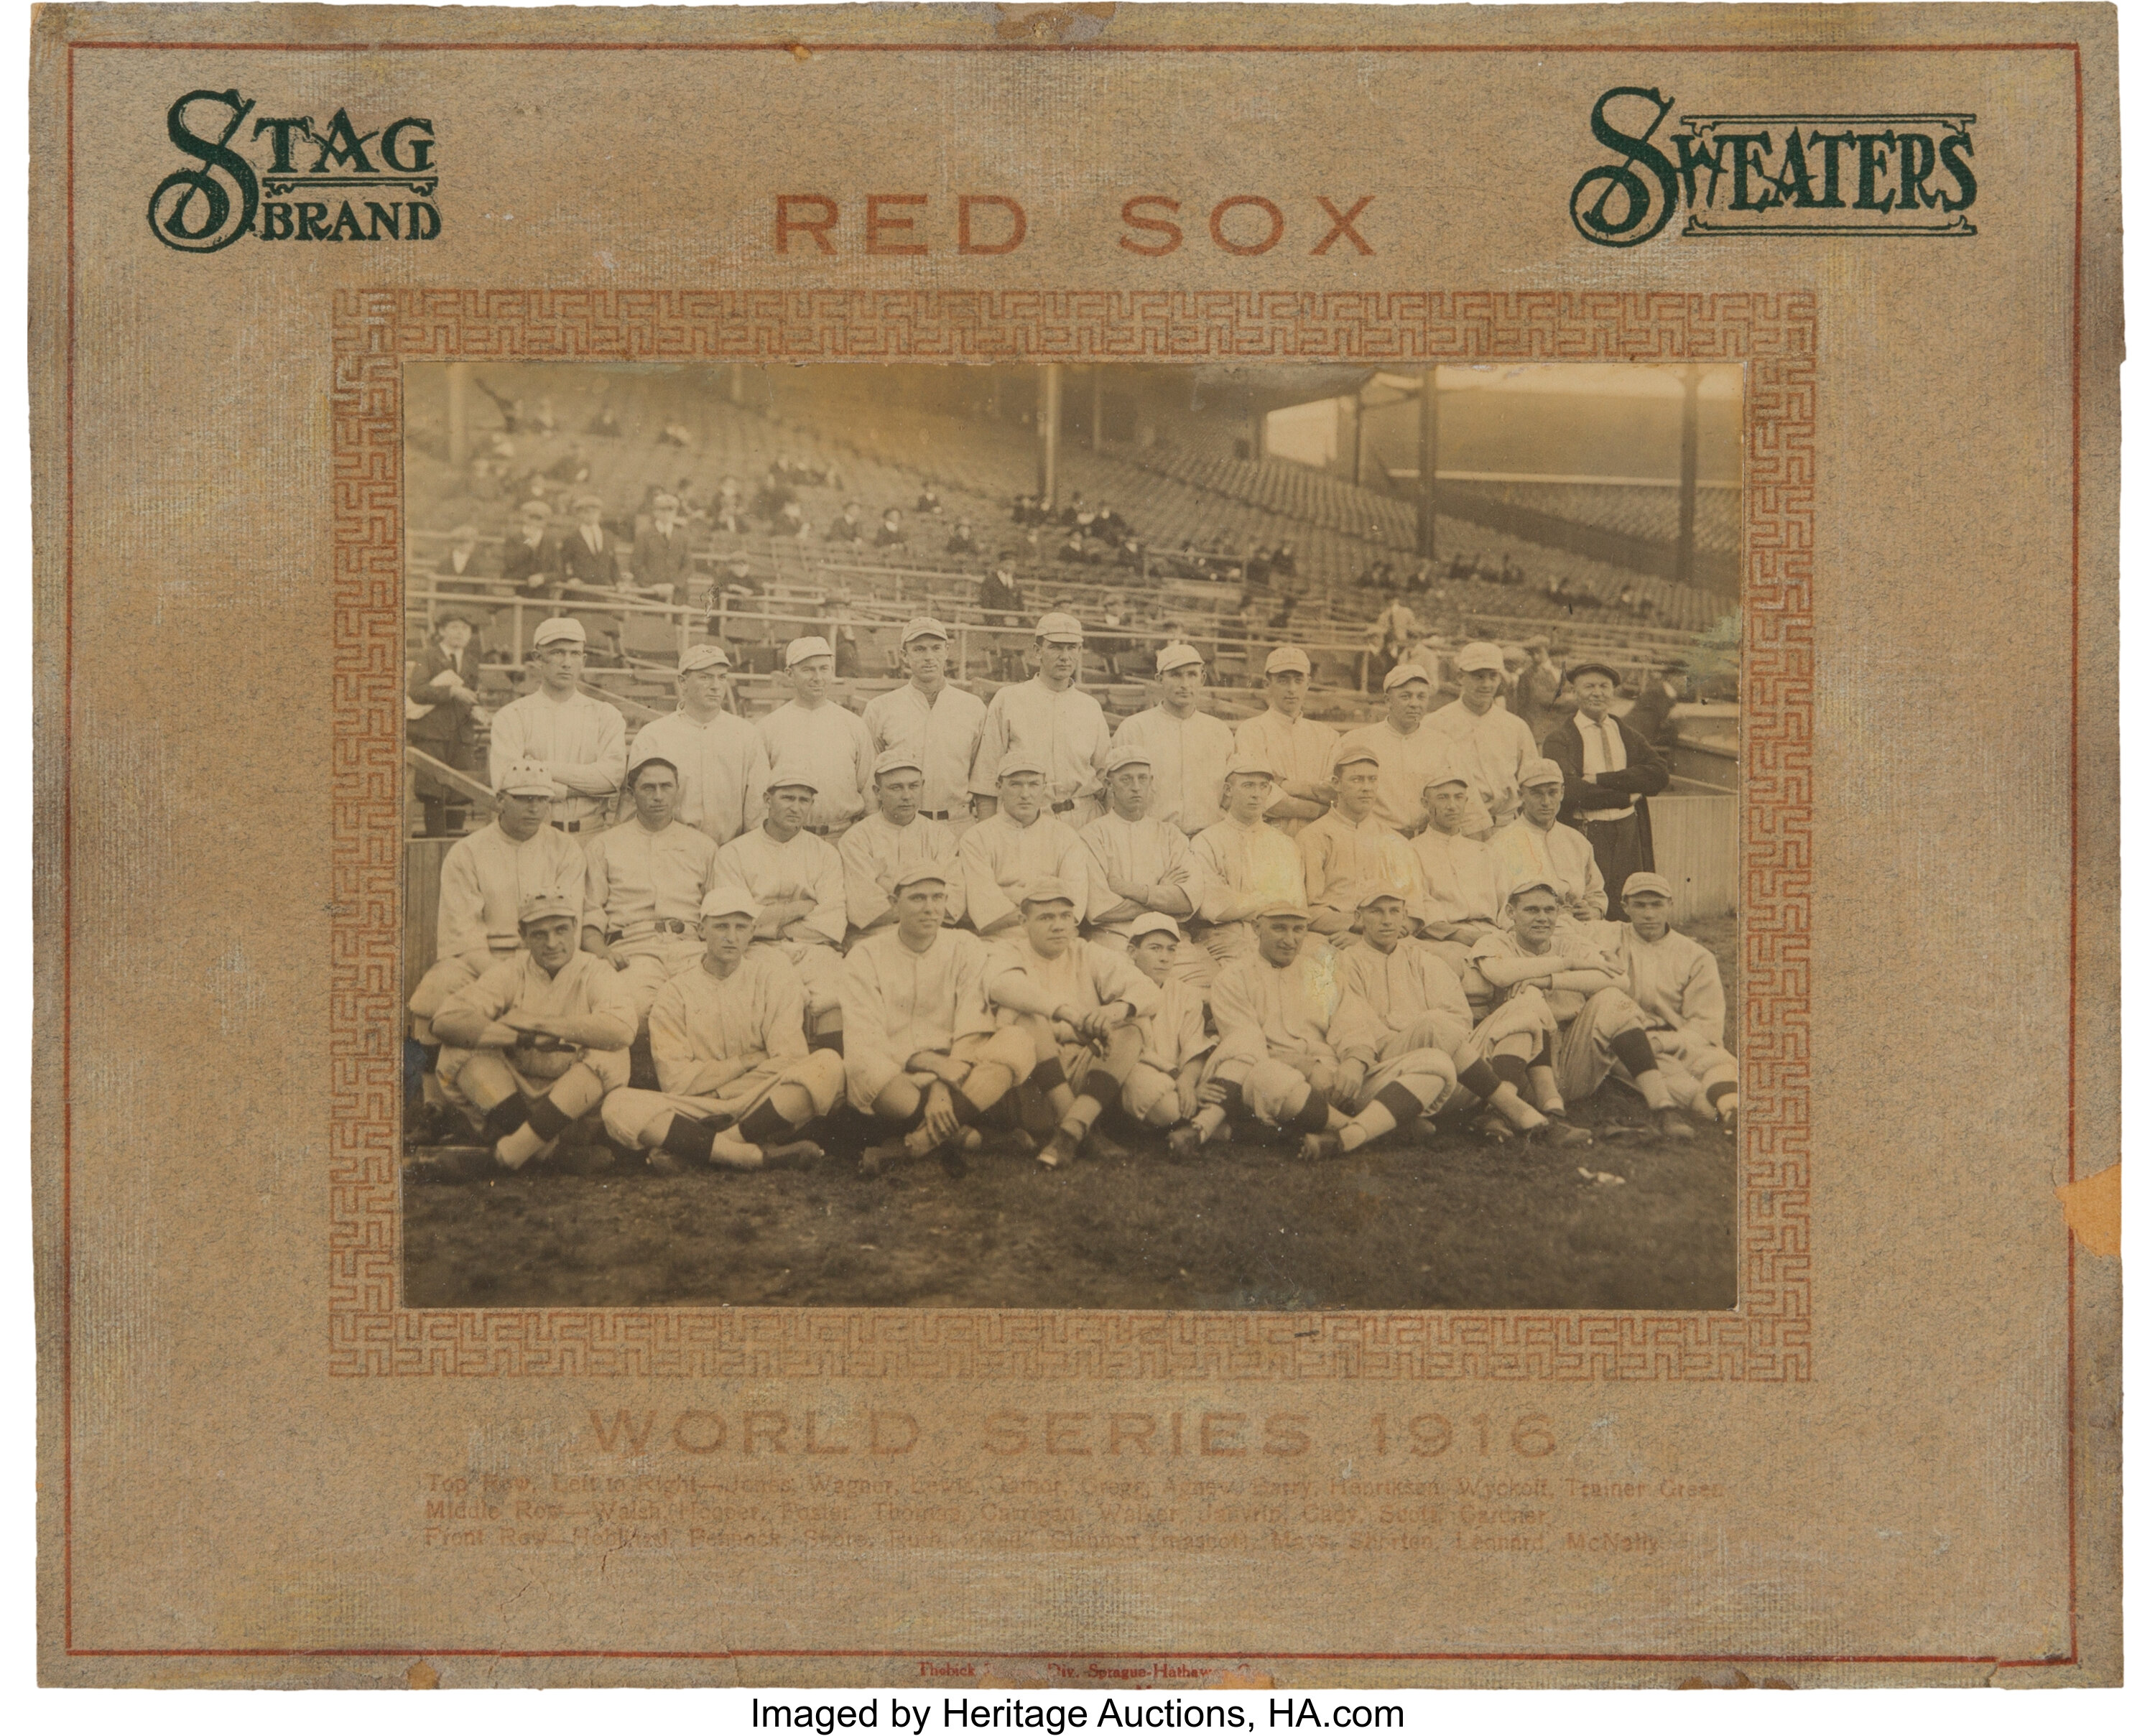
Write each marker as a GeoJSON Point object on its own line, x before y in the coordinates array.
{"type": "Point", "coordinates": [531, 569]}
{"type": "Point", "coordinates": [591, 561]}
{"type": "Point", "coordinates": [1608, 771]}
{"type": "Point", "coordinates": [463, 567]}
{"type": "Point", "coordinates": [444, 691]}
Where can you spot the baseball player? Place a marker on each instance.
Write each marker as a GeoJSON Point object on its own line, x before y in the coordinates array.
{"type": "Point", "coordinates": [1241, 865]}
{"type": "Point", "coordinates": [1140, 864]}
{"type": "Point", "coordinates": [533, 1044]}
{"type": "Point", "coordinates": [1534, 843]}
{"type": "Point", "coordinates": [814, 734]}
{"type": "Point", "coordinates": [1187, 749]}
{"type": "Point", "coordinates": [893, 838]}
{"type": "Point", "coordinates": [798, 886]}
{"type": "Point", "coordinates": [923, 1053]}
{"type": "Point", "coordinates": [738, 1083]}
{"type": "Point", "coordinates": [1348, 847]}
{"type": "Point", "coordinates": [1461, 897]}
{"type": "Point", "coordinates": [1299, 749]}
{"type": "Point", "coordinates": [1167, 1086]}
{"type": "Point", "coordinates": [1300, 1050]}
{"type": "Point", "coordinates": [930, 717]}
{"type": "Point", "coordinates": [1484, 740]}
{"type": "Point", "coordinates": [580, 740]}
{"type": "Point", "coordinates": [1421, 1004]}
{"type": "Point", "coordinates": [719, 757]}
{"type": "Point", "coordinates": [1076, 1000]}
{"type": "Point", "coordinates": [1406, 752]}
{"type": "Point", "coordinates": [1676, 985]}
{"type": "Point", "coordinates": [1017, 845]}
{"type": "Point", "coordinates": [486, 876]}
{"type": "Point", "coordinates": [1052, 718]}
{"type": "Point", "coordinates": [644, 881]}
{"type": "Point", "coordinates": [1599, 1025]}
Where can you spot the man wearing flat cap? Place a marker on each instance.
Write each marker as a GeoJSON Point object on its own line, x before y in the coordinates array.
{"type": "Point", "coordinates": [815, 734]}
{"type": "Point", "coordinates": [1187, 749]}
{"type": "Point", "coordinates": [930, 717]}
{"type": "Point", "coordinates": [1240, 865]}
{"type": "Point", "coordinates": [1407, 750]}
{"type": "Point", "coordinates": [923, 1056]}
{"type": "Point", "coordinates": [580, 740]}
{"type": "Point", "coordinates": [644, 884]}
{"type": "Point", "coordinates": [892, 841]}
{"type": "Point", "coordinates": [441, 719]}
{"type": "Point", "coordinates": [527, 563]}
{"type": "Point", "coordinates": [1347, 847]}
{"type": "Point", "coordinates": [1537, 843]}
{"type": "Point", "coordinates": [533, 1045]}
{"type": "Point", "coordinates": [462, 569]}
{"type": "Point", "coordinates": [798, 886]}
{"type": "Point", "coordinates": [1609, 770]}
{"type": "Point", "coordinates": [1140, 865]}
{"type": "Point", "coordinates": [1051, 717]}
{"type": "Point", "coordinates": [738, 1084]}
{"type": "Point", "coordinates": [590, 565]}
{"type": "Point", "coordinates": [1018, 845]}
{"type": "Point", "coordinates": [1299, 749]}
{"type": "Point", "coordinates": [1486, 741]}
{"type": "Point", "coordinates": [719, 758]}
{"type": "Point", "coordinates": [662, 561]}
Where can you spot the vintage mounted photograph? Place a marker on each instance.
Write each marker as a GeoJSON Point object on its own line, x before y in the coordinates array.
{"type": "Point", "coordinates": [1119, 837]}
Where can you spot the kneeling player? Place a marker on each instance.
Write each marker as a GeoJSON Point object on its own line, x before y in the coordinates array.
{"type": "Point", "coordinates": [922, 1054]}
{"type": "Point", "coordinates": [1300, 1049]}
{"type": "Point", "coordinates": [1166, 1087]}
{"type": "Point", "coordinates": [1677, 986]}
{"type": "Point", "coordinates": [738, 1083]}
{"type": "Point", "coordinates": [533, 1045]}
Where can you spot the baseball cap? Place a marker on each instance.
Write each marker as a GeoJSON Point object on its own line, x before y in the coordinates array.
{"type": "Point", "coordinates": [792, 777]}
{"type": "Point", "coordinates": [729, 901]}
{"type": "Point", "coordinates": [923, 627]}
{"type": "Point", "coordinates": [1153, 922]}
{"type": "Point", "coordinates": [1021, 759]}
{"type": "Point", "coordinates": [653, 758]}
{"type": "Point", "coordinates": [1444, 772]}
{"type": "Point", "coordinates": [1282, 906]}
{"type": "Point", "coordinates": [1576, 670]}
{"type": "Point", "coordinates": [1369, 891]}
{"type": "Point", "coordinates": [898, 759]}
{"type": "Point", "coordinates": [801, 650]}
{"type": "Point", "coordinates": [1286, 658]}
{"type": "Point", "coordinates": [1060, 629]}
{"type": "Point", "coordinates": [1529, 881]}
{"type": "Point", "coordinates": [1539, 642]}
{"type": "Point", "coordinates": [1177, 656]}
{"type": "Point", "coordinates": [1355, 754]}
{"type": "Point", "coordinates": [1241, 763]}
{"type": "Point", "coordinates": [915, 872]}
{"type": "Point", "coordinates": [527, 777]}
{"type": "Point", "coordinates": [538, 906]}
{"type": "Point", "coordinates": [1401, 674]}
{"type": "Point", "coordinates": [1047, 892]}
{"type": "Point", "coordinates": [536, 509]}
{"type": "Point", "coordinates": [1479, 654]}
{"type": "Point", "coordinates": [1646, 880]}
{"type": "Point", "coordinates": [558, 630]}
{"type": "Point", "coordinates": [708, 655]}
{"type": "Point", "coordinates": [1126, 753]}
{"type": "Point", "coordinates": [1540, 772]}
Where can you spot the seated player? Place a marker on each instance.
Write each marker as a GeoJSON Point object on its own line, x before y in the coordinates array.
{"type": "Point", "coordinates": [1076, 1001]}
{"type": "Point", "coordinates": [644, 883]}
{"type": "Point", "coordinates": [1241, 865]}
{"type": "Point", "coordinates": [1599, 1024]}
{"type": "Point", "coordinates": [922, 1054]}
{"type": "Point", "coordinates": [799, 884]}
{"type": "Point", "coordinates": [533, 1044]}
{"type": "Point", "coordinates": [1461, 897]}
{"type": "Point", "coordinates": [1166, 1087]}
{"type": "Point", "coordinates": [1018, 845]}
{"type": "Point", "coordinates": [895, 837]}
{"type": "Point", "coordinates": [1348, 848]}
{"type": "Point", "coordinates": [1676, 986]}
{"type": "Point", "coordinates": [1140, 865]}
{"type": "Point", "coordinates": [1420, 1003]}
{"type": "Point", "coordinates": [738, 1083]}
{"type": "Point", "coordinates": [1299, 1049]}
{"type": "Point", "coordinates": [1534, 843]}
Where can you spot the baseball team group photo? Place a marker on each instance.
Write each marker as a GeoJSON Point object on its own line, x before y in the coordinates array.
{"type": "Point", "coordinates": [1118, 836]}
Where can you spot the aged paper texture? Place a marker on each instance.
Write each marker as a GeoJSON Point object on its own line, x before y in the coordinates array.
{"type": "Point", "coordinates": [1153, 846]}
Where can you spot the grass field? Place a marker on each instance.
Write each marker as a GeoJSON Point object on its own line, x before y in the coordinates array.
{"type": "Point", "coordinates": [1245, 1226]}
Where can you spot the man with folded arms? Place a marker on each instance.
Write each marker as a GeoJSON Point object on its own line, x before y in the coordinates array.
{"type": "Point", "coordinates": [1609, 770]}
{"type": "Point", "coordinates": [1241, 864]}
{"type": "Point", "coordinates": [1050, 717]}
{"type": "Point", "coordinates": [1140, 864]}
{"type": "Point", "coordinates": [531, 1046]}
{"type": "Point", "coordinates": [580, 740]}
{"type": "Point", "coordinates": [1534, 843]}
{"type": "Point", "coordinates": [892, 839]}
{"type": "Point", "coordinates": [1407, 752]}
{"type": "Point", "coordinates": [719, 759]}
{"type": "Point", "coordinates": [738, 1084]}
{"type": "Point", "coordinates": [1483, 739]}
{"type": "Point", "coordinates": [1299, 749]}
{"type": "Point", "coordinates": [1018, 845]}
{"type": "Point", "coordinates": [923, 1056]}
{"type": "Point", "coordinates": [1187, 749]}
{"type": "Point", "coordinates": [1347, 847]}
{"type": "Point", "coordinates": [644, 884]}
{"type": "Point", "coordinates": [814, 734]}
{"type": "Point", "coordinates": [930, 717]}
{"type": "Point", "coordinates": [798, 886]}
{"type": "Point", "coordinates": [1076, 1000]}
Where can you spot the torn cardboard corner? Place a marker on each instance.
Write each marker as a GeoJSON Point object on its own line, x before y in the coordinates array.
{"type": "Point", "coordinates": [2091, 1207]}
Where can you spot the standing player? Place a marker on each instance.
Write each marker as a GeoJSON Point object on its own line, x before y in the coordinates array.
{"type": "Point", "coordinates": [580, 740]}
{"type": "Point", "coordinates": [720, 758]}
{"type": "Point", "coordinates": [1050, 717]}
{"type": "Point", "coordinates": [814, 734]}
{"type": "Point", "coordinates": [930, 718]}
{"type": "Point", "coordinates": [1483, 739]}
{"type": "Point", "coordinates": [738, 1084]}
{"type": "Point", "coordinates": [1407, 751]}
{"type": "Point", "coordinates": [922, 1054]}
{"type": "Point", "coordinates": [1535, 844]}
{"type": "Point", "coordinates": [798, 886]}
{"type": "Point", "coordinates": [644, 884]}
{"type": "Point", "coordinates": [1299, 749]}
{"type": "Point", "coordinates": [1018, 845]}
{"type": "Point", "coordinates": [1347, 847]}
{"type": "Point", "coordinates": [894, 839]}
{"type": "Point", "coordinates": [1676, 985]}
{"type": "Point", "coordinates": [1140, 864]}
{"type": "Point", "coordinates": [1187, 750]}
{"type": "Point", "coordinates": [1241, 865]}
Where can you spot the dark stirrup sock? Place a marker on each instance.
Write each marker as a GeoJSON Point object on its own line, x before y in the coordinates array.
{"type": "Point", "coordinates": [1403, 1104]}
{"type": "Point", "coordinates": [1049, 1075]}
{"type": "Point", "coordinates": [687, 1139]}
{"type": "Point", "coordinates": [1546, 1057]}
{"type": "Point", "coordinates": [505, 1117]}
{"type": "Point", "coordinates": [1635, 1051]}
{"type": "Point", "coordinates": [763, 1125]}
{"type": "Point", "coordinates": [1714, 1094]}
{"type": "Point", "coordinates": [1312, 1116]}
{"type": "Point", "coordinates": [1101, 1086]}
{"type": "Point", "coordinates": [549, 1120]}
{"type": "Point", "coordinates": [834, 1041]}
{"type": "Point", "coordinates": [1511, 1070]}
{"type": "Point", "coordinates": [1483, 1080]}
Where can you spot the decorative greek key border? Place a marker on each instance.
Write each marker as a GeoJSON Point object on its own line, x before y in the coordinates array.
{"type": "Point", "coordinates": [375, 331]}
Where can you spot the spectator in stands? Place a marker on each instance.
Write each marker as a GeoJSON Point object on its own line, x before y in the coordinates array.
{"type": "Point", "coordinates": [1408, 754]}
{"type": "Point", "coordinates": [589, 558]}
{"type": "Point", "coordinates": [1023, 509]}
{"type": "Point", "coordinates": [606, 424]}
{"type": "Point", "coordinates": [1609, 771]}
{"type": "Point", "coordinates": [849, 526]}
{"type": "Point", "coordinates": [528, 565]}
{"type": "Point", "coordinates": [1298, 749]}
{"type": "Point", "coordinates": [1486, 742]}
{"type": "Point", "coordinates": [791, 522]}
{"type": "Point", "coordinates": [772, 497]}
{"type": "Point", "coordinates": [1073, 553]}
{"type": "Point", "coordinates": [938, 724]}
{"type": "Point", "coordinates": [819, 737]}
{"type": "Point", "coordinates": [1017, 845]}
{"type": "Point", "coordinates": [1538, 684]}
{"type": "Point", "coordinates": [1002, 602]}
{"type": "Point", "coordinates": [929, 500]}
{"type": "Point", "coordinates": [1188, 748]}
{"type": "Point", "coordinates": [1051, 717]}
{"type": "Point", "coordinates": [891, 533]}
{"type": "Point", "coordinates": [1107, 524]}
{"type": "Point", "coordinates": [444, 691]}
{"type": "Point", "coordinates": [719, 759]}
{"type": "Point", "coordinates": [662, 561]}
{"type": "Point", "coordinates": [1650, 713]}
{"type": "Point", "coordinates": [960, 540]}
{"type": "Point", "coordinates": [1130, 556]}
{"type": "Point", "coordinates": [462, 565]}
{"type": "Point", "coordinates": [571, 468]}
{"type": "Point", "coordinates": [1069, 514]}
{"type": "Point", "coordinates": [1397, 629]}
{"type": "Point", "coordinates": [726, 512]}
{"type": "Point", "coordinates": [578, 739]}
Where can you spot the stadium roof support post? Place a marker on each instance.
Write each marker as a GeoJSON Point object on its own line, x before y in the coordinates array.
{"type": "Point", "coordinates": [1688, 493]}
{"type": "Point", "coordinates": [460, 411]}
{"type": "Point", "coordinates": [1047, 430]}
{"type": "Point", "coordinates": [1426, 471]}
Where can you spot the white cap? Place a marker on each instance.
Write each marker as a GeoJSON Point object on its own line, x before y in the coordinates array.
{"type": "Point", "coordinates": [558, 630]}
{"type": "Point", "coordinates": [801, 650]}
{"type": "Point", "coordinates": [1177, 656]}
{"type": "Point", "coordinates": [1479, 654]}
{"type": "Point", "coordinates": [1287, 659]}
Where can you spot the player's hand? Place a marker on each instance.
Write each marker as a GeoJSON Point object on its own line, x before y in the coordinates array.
{"type": "Point", "coordinates": [1325, 1076]}
{"type": "Point", "coordinates": [1212, 1094]}
{"type": "Point", "coordinates": [1188, 1095]}
{"type": "Point", "coordinates": [1349, 1079]}
{"type": "Point", "coordinates": [940, 1119]}
{"type": "Point", "coordinates": [949, 1070]}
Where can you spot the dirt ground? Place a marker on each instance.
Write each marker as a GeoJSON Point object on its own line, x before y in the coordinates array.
{"type": "Point", "coordinates": [1244, 1225]}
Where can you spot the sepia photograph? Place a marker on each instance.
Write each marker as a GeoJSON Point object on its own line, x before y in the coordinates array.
{"type": "Point", "coordinates": [1114, 836]}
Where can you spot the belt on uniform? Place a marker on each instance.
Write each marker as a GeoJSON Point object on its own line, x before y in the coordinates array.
{"type": "Point", "coordinates": [568, 825]}
{"type": "Point", "coordinates": [819, 831]}
{"type": "Point", "coordinates": [935, 813]}
{"type": "Point", "coordinates": [656, 925]}
{"type": "Point", "coordinates": [1062, 807]}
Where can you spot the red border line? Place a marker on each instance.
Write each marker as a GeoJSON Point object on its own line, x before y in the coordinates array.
{"type": "Point", "coordinates": [67, 832]}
